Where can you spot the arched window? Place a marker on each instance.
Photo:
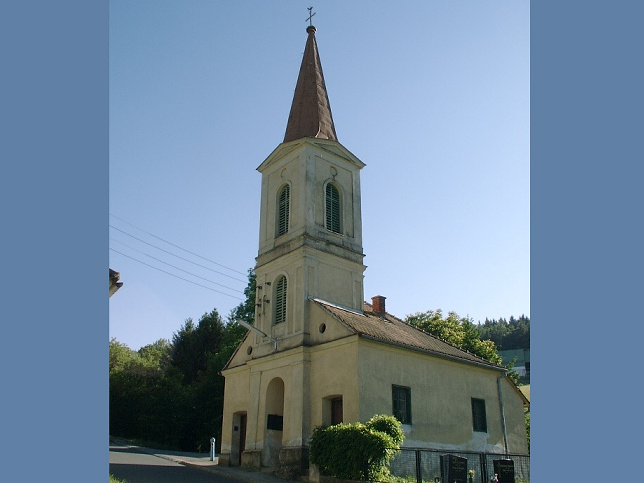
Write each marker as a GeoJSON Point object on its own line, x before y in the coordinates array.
{"type": "Point", "coordinates": [282, 210]}
{"type": "Point", "coordinates": [333, 211]}
{"type": "Point", "coordinates": [280, 300]}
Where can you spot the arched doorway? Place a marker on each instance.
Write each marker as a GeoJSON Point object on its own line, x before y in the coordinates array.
{"type": "Point", "coordinates": [274, 423]}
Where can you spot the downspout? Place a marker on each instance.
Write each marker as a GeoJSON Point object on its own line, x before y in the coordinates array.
{"type": "Point", "coordinates": [505, 433]}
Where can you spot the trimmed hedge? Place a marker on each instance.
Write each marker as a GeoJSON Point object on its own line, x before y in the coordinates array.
{"type": "Point", "coordinates": [357, 451]}
{"type": "Point", "coordinates": [388, 425]}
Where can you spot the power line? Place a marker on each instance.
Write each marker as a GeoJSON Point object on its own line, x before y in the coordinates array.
{"type": "Point", "coordinates": [174, 255]}
{"type": "Point", "coordinates": [177, 246]}
{"type": "Point", "coordinates": [175, 267]}
{"type": "Point", "coordinates": [176, 276]}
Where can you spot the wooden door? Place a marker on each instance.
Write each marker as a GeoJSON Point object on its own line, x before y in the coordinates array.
{"type": "Point", "coordinates": [336, 410]}
{"type": "Point", "coordinates": [242, 435]}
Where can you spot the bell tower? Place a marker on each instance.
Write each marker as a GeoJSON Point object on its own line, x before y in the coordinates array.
{"type": "Point", "coordinates": [310, 237]}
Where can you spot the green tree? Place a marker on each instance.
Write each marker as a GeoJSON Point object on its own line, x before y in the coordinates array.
{"type": "Point", "coordinates": [527, 427]}
{"type": "Point", "coordinates": [120, 355]}
{"type": "Point", "coordinates": [140, 391]}
{"type": "Point", "coordinates": [460, 332]}
{"type": "Point", "coordinates": [519, 336]}
{"type": "Point", "coordinates": [157, 354]}
{"type": "Point", "coordinates": [192, 345]}
{"type": "Point", "coordinates": [235, 333]}
{"type": "Point", "coordinates": [171, 394]}
{"type": "Point", "coordinates": [200, 352]}
{"type": "Point", "coordinates": [246, 309]}
{"type": "Point", "coordinates": [507, 334]}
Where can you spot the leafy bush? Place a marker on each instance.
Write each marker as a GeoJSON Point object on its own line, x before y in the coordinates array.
{"type": "Point", "coordinates": [356, 451]}
{"type": "Point", "coordinates": [388, 425]}
{"type": "Point", "coordinates": [527, 428]}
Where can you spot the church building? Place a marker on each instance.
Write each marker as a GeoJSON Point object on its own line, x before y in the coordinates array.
{"type": "Point", "coordinates": [318, 353]}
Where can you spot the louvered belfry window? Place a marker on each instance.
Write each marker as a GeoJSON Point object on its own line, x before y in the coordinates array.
{"type": "Point", "coordinates": [280, 300]}
{"type": "Point", "coordinates": [282, 210]}
{"type": "Point", "coordinates": [333, 208]}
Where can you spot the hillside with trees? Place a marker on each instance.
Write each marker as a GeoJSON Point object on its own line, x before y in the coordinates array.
{"type": "Point", "coordinates": [171, 394]}
{"type": "Point", "coordinates": [507, 334]}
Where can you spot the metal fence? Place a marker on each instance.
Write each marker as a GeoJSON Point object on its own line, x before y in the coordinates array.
{"type": "Point", "coordinates": [422, 465]}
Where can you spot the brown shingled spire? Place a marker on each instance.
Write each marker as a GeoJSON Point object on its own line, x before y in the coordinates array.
{"type": "Point", "coordinates": [310, 114]}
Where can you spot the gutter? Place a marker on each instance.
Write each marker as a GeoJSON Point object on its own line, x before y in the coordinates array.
{"type": "Point", "coordinates": [505, 433]}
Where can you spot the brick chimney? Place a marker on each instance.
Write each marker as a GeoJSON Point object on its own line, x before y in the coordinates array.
{"type": "Point", "coordinates": [378, 303]}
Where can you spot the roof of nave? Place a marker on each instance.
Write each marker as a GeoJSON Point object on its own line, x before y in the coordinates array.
{"type": "Point", "coordinates": [392, 330]}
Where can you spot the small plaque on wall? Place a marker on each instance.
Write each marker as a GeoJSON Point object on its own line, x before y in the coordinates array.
{"type": "Point", "coordinates": [275, 422]}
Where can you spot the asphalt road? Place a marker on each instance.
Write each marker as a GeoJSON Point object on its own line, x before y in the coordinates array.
{"type": "Point", "coordinates": [129, 464]}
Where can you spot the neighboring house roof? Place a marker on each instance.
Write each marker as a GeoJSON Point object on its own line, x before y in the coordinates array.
{"type": "Point", "coordinates": [392, 330]}
{"type": "Point", "coordinates": [114, 281]}
{"type": "Point", "coordinates": [525, 390]}
{"type": "Point", "coordinates": [521, 355]}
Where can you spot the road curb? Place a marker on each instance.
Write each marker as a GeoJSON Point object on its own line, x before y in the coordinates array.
{"type": "Point", "coordinates": [254, 477]}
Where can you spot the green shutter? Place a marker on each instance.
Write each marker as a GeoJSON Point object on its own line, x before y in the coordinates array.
{"type": "Point", "coordinates": [282, 210]}
{"type": "Point", "coordinates": [333, 208]}
{"type": "Point", "coordinates": [479, 420]}
{"type": "Point", "coordinates": [280, 301]}
{"type": "Point", "coordinates": [401, 403]}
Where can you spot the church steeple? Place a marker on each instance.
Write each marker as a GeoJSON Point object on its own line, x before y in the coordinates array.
{"type": "Point", "coordinates": [310, 114]}
{"type": "Point", "coordinates": [310, 225]}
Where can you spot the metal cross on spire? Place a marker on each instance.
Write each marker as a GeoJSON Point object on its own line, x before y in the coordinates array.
{"type": "Point", "coordinates": [310, 16]}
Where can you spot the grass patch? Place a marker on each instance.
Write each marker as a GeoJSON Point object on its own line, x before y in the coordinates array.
{"type": "Point", "coordinates": [114, 479]}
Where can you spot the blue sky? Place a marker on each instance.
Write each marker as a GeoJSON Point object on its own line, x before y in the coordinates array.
{"type": "Point", "coordinates": [434, 96]}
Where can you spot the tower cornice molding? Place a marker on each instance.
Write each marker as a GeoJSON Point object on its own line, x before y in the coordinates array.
{"type": "Point", "coordinates": [308, 243]}
{"type": "Point", "coordinates": [333, 148]}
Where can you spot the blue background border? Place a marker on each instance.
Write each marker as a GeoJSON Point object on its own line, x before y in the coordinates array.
{"type": "Point", "coordinates": [586, 211]}
{"type": "Point", "coordinates": [586, 241]}
{"type": "Point", "coordinates": [54, 152]}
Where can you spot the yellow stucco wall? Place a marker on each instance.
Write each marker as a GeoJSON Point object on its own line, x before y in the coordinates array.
{"type": "Point", "coordinates": [310, 375]}
{"type": "Point", "coordinates": [333, 374]}
{"type": "Point", "coordinates": [338, 363]}
{"type": "Point", "coordinates": [441, 392]}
